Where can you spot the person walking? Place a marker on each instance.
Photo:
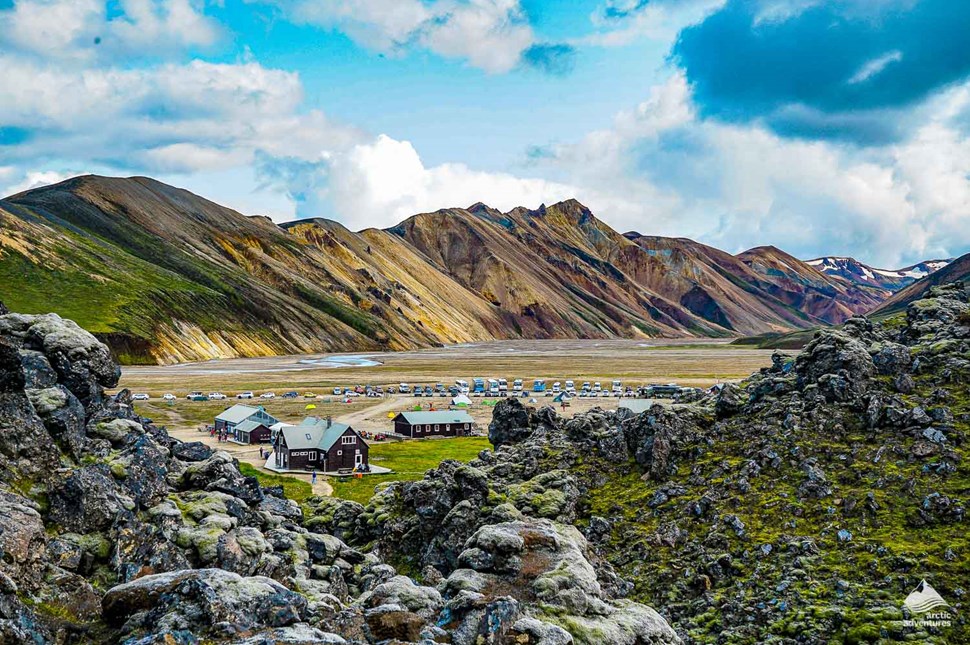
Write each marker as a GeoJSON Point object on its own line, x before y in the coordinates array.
{"type": "Point", "coordinates": [313, 478]}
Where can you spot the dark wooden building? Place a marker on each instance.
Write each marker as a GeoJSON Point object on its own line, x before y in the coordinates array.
{"type": "Point", "coordinates": [320, 444]}
{"type": "Point", "coordinates": [229, 418]}
{"type": "Point", "coordinates": [444, 423]}
{"type": "Point", "coordinates": [252, 431]}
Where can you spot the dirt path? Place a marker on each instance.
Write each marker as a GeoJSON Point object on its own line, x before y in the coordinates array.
{"type": "Point", "coordinates": [363, 419]}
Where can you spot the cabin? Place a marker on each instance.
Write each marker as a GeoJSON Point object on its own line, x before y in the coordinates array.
{"type": "Point", "coordinates": [320, 444]}
{"type": "Point", "coordinates": [445, 423]}
{"type": "Point", "coordinates": [228, 419]}
{"type": "Point", "coordinates": [251, 431]}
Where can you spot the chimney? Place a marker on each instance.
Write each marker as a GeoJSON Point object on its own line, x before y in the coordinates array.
{"type": "Point", "coordinates": [329, 420]}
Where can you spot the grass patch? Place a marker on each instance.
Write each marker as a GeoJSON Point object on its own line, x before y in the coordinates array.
{"type": "Point", "coordinates": [296, 489]}
{"type": "Point", "coordinates": [409, 460]}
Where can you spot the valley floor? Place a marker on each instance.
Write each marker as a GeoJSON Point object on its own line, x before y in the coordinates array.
{"type": "Point", "coordinates": [635, 362]}
{"type": "Point", "coordinates": [688, 362]}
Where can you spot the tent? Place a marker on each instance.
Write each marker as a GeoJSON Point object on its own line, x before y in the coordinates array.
{"type": "Point", "coordinates": [562, 396]}
{"type": "Point", "coordinates": [461, 401]}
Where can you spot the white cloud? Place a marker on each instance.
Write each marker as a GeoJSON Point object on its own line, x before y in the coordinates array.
{"type": "Point", "coordinates": [622, 22]}
{"type": "Point", "coordinates": [384, 181]}
{"type": "Point", "coordinates": [171, 118]}
{"type": "Point", "coordinates": [490, 34]}
{"type": "Point", "coordinates": [27, 181]}
{"type": "Point", "coordinates": [660, 169]}
{"type": "Point", "coordinates": [81, 31]}
{"type": "Point", "coordinates": [875, 66]}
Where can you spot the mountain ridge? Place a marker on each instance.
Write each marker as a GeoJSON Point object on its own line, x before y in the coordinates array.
{"type": "Point", "coordinates": [164, 275]}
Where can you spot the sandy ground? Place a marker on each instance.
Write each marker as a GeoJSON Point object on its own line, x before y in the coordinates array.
{"type": "Point", "coordinates": [699, 363]}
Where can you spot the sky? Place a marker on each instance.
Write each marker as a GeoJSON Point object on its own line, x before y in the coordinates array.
{"type": "Point", "coordinates": [823, 128]}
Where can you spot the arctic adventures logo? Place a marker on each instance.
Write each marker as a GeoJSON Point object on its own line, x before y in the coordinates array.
{"type": "Point", "coordinates": [927, 607]}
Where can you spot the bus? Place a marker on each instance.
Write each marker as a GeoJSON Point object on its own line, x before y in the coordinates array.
{"type": "Point", "coordinates": [462, 386]}
{"type": "Point", "coordinates": [538, 385]}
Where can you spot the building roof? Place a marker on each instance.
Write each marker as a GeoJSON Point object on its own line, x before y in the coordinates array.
{"type": "Point", "coordinates": [248, 425]}
{"type": "Point", "coordinates": [439, 417]}
{"type": "Point", "coordinates": [313, 432]}
{"type": "Point", "coordinates": [237, 413]}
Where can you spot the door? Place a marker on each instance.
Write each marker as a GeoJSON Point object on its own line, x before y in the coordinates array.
{"type": "Point", "coordinates": [358, 459]}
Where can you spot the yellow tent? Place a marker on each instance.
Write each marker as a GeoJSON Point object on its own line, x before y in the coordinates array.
{"type": "Point", "coordinates": [391, 415]}
{"type": "Point", "coordinates": [311, 407]}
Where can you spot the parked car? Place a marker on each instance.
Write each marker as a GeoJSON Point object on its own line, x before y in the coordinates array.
{"type": "Point", "coordinates": [244, 395]}
{"type": "Point", "coordinates": [197, 396]}
{"type": "Point", "coordinates": [141, 396]}
{"type": "Point", "coordinates": [267, 395]}
{"type": "Point", "coordinates": [337, 391]}
{"type": "Point", "coordinates": [290, 395]}
{"type": "Point", "coordinates": [217, 396]}
{"type": "Point", "coordinates": [309, 395]}
{"type": "Point", "coordinates": [169, 397]}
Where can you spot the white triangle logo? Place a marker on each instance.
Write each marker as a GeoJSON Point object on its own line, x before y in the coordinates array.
{"type": "Point", "coordinates": [924, 598]}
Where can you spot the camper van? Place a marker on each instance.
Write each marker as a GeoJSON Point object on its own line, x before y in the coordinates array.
{"type": "Point", "coordinates": [493, 387]}
{"type": "Point", "coordinates": [503, 387]}
{"type": "Point", "coordinates": [538, 385]}
{"type": "Point", "coordinates": [462, 386]}
{"type": "Point", "coordinates": [517, 385]}
{"type": "Point", "coordinates": [617, 388]}
{"type": "Point", "coordinates": [556, 387]}
{"type": "Point", "coordinates": [597, 387]}
{"type": "Point", "coordinates": [570, 387]}
{"type": "Point", "coordinates": [479, 387]}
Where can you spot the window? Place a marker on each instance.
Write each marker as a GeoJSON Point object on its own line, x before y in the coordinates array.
{"type": "Point", "coordinates": [313, 456]}
{"type": "Point", "coordinates": [466, 426]}
{"type": "Point", "coordinates": [308, 436]}
{"type": "Point", "coordinates": [437, 428]}
{"type": "Point", "coordinates": [348, 440]}
{"type": "Point", "coordinates": [340, 452]}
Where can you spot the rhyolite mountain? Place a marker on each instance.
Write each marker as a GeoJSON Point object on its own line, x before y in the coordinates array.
{"type": "Point", "coordinates": [163, 275]}
{"type": "Point", "coordinates": [957, 270]}
{"type": "Point", "coordinates": [890, 280]}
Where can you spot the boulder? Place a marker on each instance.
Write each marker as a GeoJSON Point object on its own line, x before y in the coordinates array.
{"type": "Point", "coordinates": [550, 563]}
{"type": "Point", "coordinates": [207, 602]}
{"type": "Point", "coordinates": [839, 364]}
{"type": "Point", "coordinates": [87, 500]}
{"type": "Point", "coordinates": [62, 415]}
{"type": "Point", "coordinates": [511, 423]}
{"type": "Point", "coordinates": [26, 448]}
{"type": "Point", "coordinates": [191, 451]}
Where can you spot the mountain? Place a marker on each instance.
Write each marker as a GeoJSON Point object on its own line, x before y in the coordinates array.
{"type": "Point", "coordinates": [890, 280]}
{"type": "Point", "coordinates": [957, 270]}
{"type": "Point", "coordinates": [163, 275]}
{"type": "Point", "coordinates": [805, 288]}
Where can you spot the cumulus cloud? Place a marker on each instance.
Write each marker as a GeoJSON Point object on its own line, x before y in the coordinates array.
{"type": "Point", "coordinates": [847, 69]}
{"type": "Point", "coordinates": [662, 168]}
{"type": "Point", "coordinates": [383, 181]}
{"type": "Point", "coordinates": [82, 31]}
{"type": "Point", "coordinates": [492, 35]}
{"type": "Point", "coordinates": [169, 118]}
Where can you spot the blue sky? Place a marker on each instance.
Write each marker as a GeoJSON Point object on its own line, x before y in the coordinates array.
{"type": "Point", "coordinates": [838, 127]}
